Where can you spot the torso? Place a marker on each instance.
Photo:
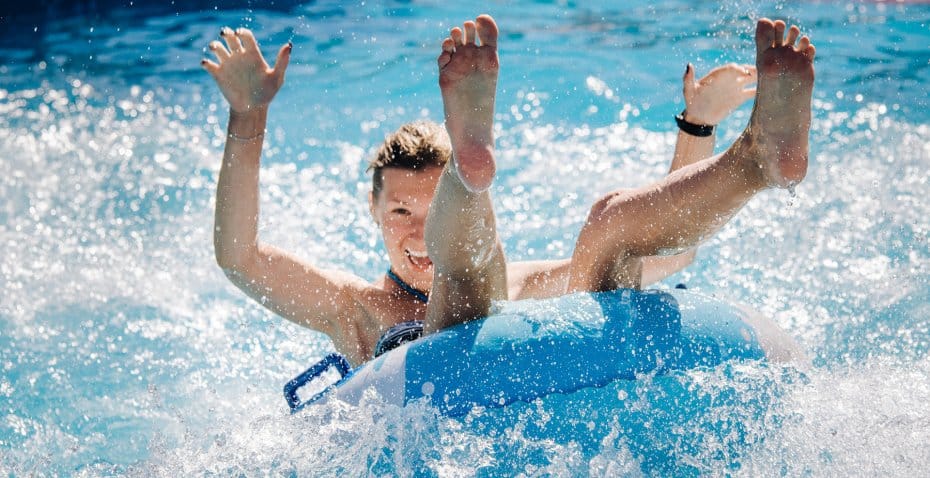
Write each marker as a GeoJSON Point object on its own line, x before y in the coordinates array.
{"type": "Point", "coordinates": [385, 304]}
{"type": "Point", "coordinates": [382, 306]}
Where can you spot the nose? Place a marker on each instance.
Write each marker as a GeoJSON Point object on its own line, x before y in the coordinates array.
{"type": "Point", "coordinates": [418, 226]}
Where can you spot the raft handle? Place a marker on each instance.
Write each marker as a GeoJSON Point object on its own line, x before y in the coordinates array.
{"type": "Point", "coordinates": [290, 388]}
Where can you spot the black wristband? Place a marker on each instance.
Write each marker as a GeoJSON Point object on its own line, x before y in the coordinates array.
{"type": "Point", "coordinates": [700, 130]}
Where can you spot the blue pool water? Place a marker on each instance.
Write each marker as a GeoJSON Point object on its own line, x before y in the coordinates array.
{"type": "Point", "coordinates": [124, 350]}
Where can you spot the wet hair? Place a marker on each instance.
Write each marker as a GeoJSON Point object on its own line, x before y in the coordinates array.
{"type": "Point", "coordinates": [417, 145]}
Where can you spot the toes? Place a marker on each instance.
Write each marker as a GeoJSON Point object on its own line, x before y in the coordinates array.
{"type": "Point", "coordinates": [247, 39]}
{"type": "Point", "coordinates": [232, 41]}
{"type": "Point", "coordinates": [779, 33]}
{"type": "Point", "coordinates": [765, 35]}
{"type": "Point", "coordinates": [471, 32]}
{"type": "Point", "coordinates": [804, 43]}
{"type": "Point", "coordinates": [457, 36]}
{"type": "Point", "coordinates": [448, 45]}
{"type": "Point", "coordinates": [793, 33]}
{"type": "Point", "coordinates": [444, 58]}
{"type": "Point", "coordinates": [806, 48]}
{"type": "Point", "coordinates": [219, 50]}
{"type": "Point", "coordinates": [810, 52]}
{"type": "Point", "coordinates": [487, 30]}
{"type": "Point", "coordinates": [448, 48]}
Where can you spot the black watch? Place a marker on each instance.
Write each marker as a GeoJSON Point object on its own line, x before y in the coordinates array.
{"type": "Point", "coordinates": [700, 130]}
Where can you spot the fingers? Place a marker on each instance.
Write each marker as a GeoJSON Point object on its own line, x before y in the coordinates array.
{"type": "Point", "coordinates": [232, 41]}
{"type": "Point", "coordinates": [211, 67]}
{"type": "Point", "coordinates": [747, 94]}
{"type": "Point", "coordinates": [281, 62]}
{"type": "Point", "coordinates": [247, 39]}
{"type": "Point", "coordinates": [242, 40]}
{"type": "Point", "coordinates": [688, 81]}
{"type": "Point", "coordinates": [487, 30]}
{"type": "Point", "coordinates": [222, 54]}
{"type": "Point", "coordinates": [747, 74]}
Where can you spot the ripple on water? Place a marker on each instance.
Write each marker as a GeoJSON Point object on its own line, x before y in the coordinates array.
{"type": "Point", "coordinates": [158, 366]}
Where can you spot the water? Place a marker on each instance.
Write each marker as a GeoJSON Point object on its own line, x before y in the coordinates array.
{"type": "Point", "coordinates": [125, 351]}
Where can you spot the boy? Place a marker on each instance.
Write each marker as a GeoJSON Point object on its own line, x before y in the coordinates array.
{"type": "Point", "coordinates": [444, 243]}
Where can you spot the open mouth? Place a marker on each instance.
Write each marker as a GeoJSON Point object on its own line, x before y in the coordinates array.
{"type": "Point", "coordinates": [419, 260]}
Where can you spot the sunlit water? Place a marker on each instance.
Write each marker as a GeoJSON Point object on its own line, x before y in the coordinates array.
{"type": "Point", "coordinates": [124, 350]}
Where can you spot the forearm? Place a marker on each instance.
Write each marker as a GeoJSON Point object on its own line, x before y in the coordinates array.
{"type": "Point", "coordinates": [690, 149]}
{"type": "Point", "coordinates": [657, 268]}
{"type": "Point", "coordinates": [235, 234]}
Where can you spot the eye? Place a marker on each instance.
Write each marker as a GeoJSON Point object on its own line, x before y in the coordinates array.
{"type": "Point", "coordinates": [400, 211]}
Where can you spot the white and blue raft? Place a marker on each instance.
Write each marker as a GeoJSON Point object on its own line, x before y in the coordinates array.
{"type": "Point", "coordinates": [533, 348]}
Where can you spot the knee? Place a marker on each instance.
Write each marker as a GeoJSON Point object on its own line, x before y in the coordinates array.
{"type": "Point", "coordinates": [606, 213]}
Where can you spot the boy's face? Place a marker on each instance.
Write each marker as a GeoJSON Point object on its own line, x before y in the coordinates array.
{"type": "Point", "coordinates": [400, 210]}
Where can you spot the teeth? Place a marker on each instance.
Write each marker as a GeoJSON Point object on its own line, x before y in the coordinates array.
{"type": "Point", "coordinates": [417, 254]}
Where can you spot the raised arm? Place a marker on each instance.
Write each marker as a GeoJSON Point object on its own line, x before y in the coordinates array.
{"type": "Point", "coordinates": [707, 102]}
{"type": "Point", "coordinates": [278, 280]}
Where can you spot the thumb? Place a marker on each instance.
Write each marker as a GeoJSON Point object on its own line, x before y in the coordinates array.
{"type": "Point", "coordinates": [688, 81]}
{"type": "Point", "coordinates": [280, 63]}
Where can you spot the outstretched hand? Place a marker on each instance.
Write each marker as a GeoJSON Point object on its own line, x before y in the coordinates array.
{"type": "Point", "coordinates": [713, 97]}
{"type": "Point", "coordinates": [243, 75]}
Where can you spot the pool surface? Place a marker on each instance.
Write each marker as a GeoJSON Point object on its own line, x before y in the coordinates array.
{"type": "Point", "coordinates": [125, 351]}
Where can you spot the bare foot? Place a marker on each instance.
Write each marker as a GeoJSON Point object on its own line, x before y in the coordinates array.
{"type": "Point", "coordinates": [781, 119]}
{"type": "Point", "coordinates": [468, 81]}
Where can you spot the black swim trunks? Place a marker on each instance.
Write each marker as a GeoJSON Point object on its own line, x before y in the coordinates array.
{"type": "Point", "coordinates": [398, 335]}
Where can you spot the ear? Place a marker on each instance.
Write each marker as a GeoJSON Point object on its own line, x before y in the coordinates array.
{"type": "Point", "coordinates": [371, 207]}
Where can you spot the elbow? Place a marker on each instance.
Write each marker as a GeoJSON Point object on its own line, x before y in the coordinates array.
{"type": "Point", "coordinates": [228, 266]}
{"type": "Point", "coordinates": [237, 271]}
{"type": "Point", "coordinates": [233, 260]}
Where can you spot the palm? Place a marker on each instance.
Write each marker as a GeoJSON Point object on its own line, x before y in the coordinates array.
{"type": "Point", "coordinates": [243, 75]}
{"type": "Point", "coordinates": [713, 97]}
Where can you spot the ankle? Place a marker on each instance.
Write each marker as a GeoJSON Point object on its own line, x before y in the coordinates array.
{"type": "Point", "coordinates": [750, 159]}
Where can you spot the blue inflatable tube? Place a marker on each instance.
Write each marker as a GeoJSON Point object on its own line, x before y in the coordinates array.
{"type": "Point", "coordinates": [530, 349]}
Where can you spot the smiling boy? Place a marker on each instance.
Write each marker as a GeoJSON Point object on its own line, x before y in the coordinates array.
{"type": "Point", "coordinates": [430, 195]}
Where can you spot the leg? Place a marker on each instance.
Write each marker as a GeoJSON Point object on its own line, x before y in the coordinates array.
{"type": "Point", "coordinates": [469, 270]}
{"type": "Point", "coordinates": [691, 203]}
{"type": "Point", "coordinates": [708, 101]}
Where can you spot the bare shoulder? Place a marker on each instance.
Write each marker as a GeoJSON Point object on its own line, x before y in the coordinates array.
{"type": "Point", "coordinates": [374, 310]}
{"type": "Point", "coordinates": [537, 279]}
{"type": "Point", "coordinates": [319, 298]}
